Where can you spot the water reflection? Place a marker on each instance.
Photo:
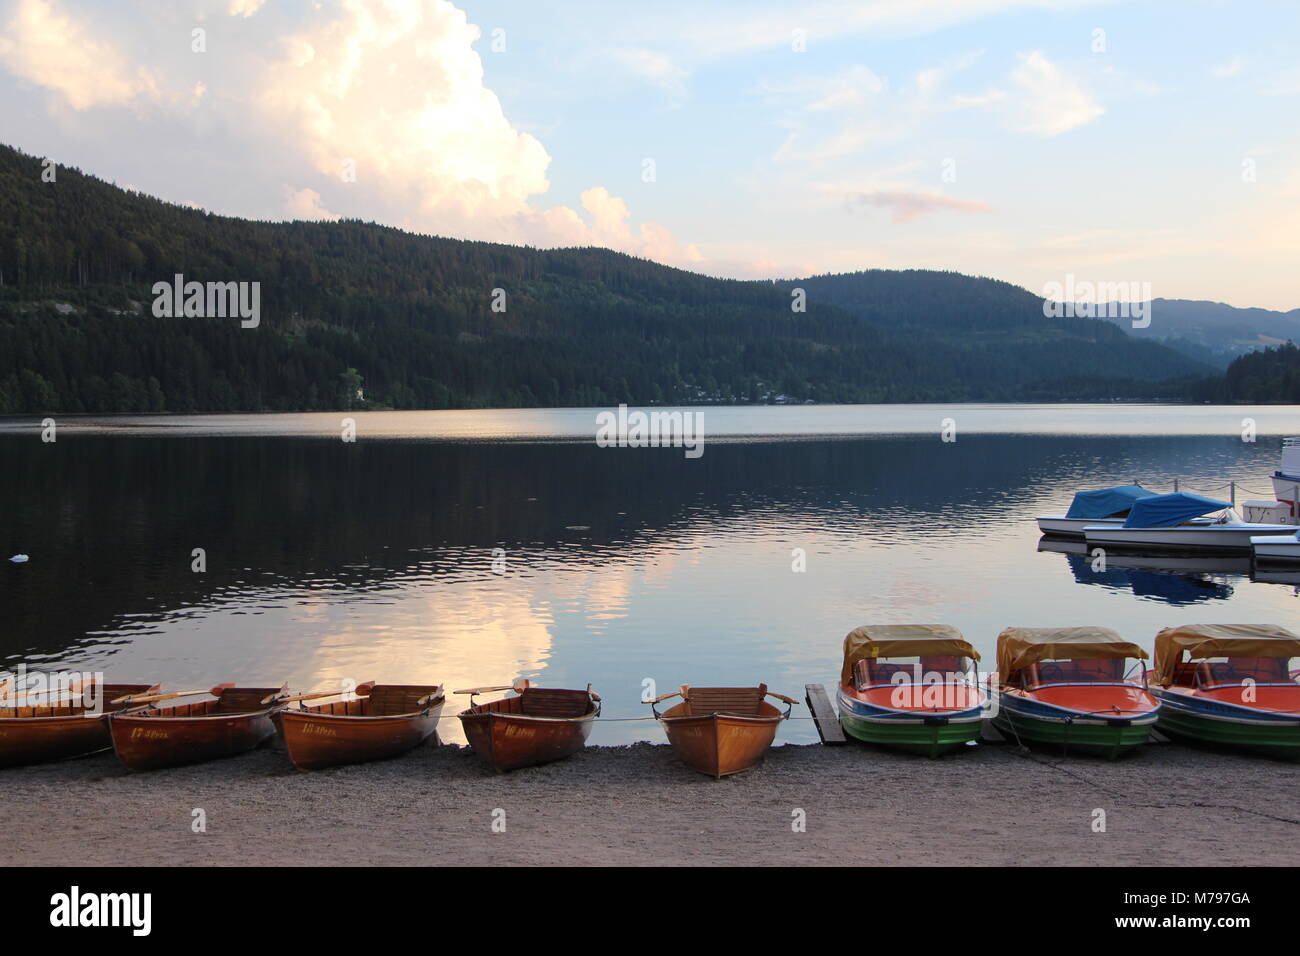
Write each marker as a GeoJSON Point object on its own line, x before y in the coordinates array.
{"type": "Point", "coordinates": [1175, 580]}
{"type": "Point", "coordinates": [375, 560]}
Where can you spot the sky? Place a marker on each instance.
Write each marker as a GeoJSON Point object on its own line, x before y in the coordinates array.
{"type": "Point", "coordinates": [1151, 143]}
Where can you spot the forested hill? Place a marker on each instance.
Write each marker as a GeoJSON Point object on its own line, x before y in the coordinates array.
{"type": "Point", "coordinates": [410, 319]}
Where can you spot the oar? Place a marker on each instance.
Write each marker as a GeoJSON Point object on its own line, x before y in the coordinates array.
{"type": "Point", "coordinates": [154, 698]}
{"type": "Point", "coordinates": [75, 688]}
{"type": "Point", "coordinates": [429, 698]}
{"type": "Point", "coordinates": [518, 687]}
{"type": "Point", "coordinates": [361, 690]}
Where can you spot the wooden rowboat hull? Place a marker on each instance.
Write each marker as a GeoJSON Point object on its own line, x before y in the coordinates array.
{"type": "Point", "coordinates": [315, 740]}
{"type": "Point", "coordinates": [150, 743]}
{"type": "Point", "coordinates": [720, 744]}
{"type": "Point", "coordinates": [37, 739]}
{"type": "Point", "coordinates": [511, 741]}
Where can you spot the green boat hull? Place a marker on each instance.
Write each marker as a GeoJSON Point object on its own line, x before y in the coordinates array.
{"type": "Point", "coordinates": [932, 740]}
{"type": "Point", "coordinates": [1280, 742]}
{"type": "Point", "coordinates": [1098, 740]}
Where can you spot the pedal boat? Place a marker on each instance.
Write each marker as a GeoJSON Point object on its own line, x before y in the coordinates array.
{"type": "Point", "coordinates": [1080, 689]}
{"type": "Point", "coordinates": [1230, 685]}
{"type": "Point", "coordinates": [910, 687]}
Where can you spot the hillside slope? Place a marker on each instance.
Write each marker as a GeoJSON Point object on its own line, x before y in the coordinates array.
{"type": "Point", "coordinates": [1215, 332]}
{"type": "Point", "coordinates": [410, 319]}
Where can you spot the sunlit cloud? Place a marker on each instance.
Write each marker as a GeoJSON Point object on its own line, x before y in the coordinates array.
{"type": "Point", "coordinates": [905, 206]}
{"type": "Point", "coordinates": [1050, 102]}
{"type": "Point", "coordinates": [44, 46]}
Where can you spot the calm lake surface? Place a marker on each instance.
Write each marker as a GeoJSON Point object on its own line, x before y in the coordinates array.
{"type": "Point", "coordinates": [374, 559]}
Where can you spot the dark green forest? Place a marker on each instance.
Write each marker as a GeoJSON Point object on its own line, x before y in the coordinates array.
{"type": "Point", "coordinates": [409, 319]}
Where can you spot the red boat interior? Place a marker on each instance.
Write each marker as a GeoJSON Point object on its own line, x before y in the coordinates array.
{"type": "Point", "coordinates": [1090, 686]}
{"type": "Point", "coordinates": [1265, 683]}
{"type": "Point", "coordinates": [929, 684]}
{"type": "Point", "coordinates": [383, 700]}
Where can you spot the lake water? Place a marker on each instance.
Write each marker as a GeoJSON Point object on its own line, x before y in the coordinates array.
{"type": "Point", "coordinates": [374, 559]}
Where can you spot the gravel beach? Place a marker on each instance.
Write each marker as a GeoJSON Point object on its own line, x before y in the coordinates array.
{"type": "Point", "coordinates": [636, 805]}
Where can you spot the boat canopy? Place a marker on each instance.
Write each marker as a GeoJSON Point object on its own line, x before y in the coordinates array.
{"type": "Point", "coordinates": [873, 641]}
{"type": "Point", "coordinates": [1165, 511]}
{"type": "Point", "coordinates": [1201, 641]}
{"type": "Point", "coordinates": [1018, 647]}
{"type": "Point", "coordinates": [1106, 501]}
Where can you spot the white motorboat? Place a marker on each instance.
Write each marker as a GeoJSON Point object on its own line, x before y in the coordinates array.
{"type": "Point", "coordinates": [1286, 480]}
{"type": "Point", "coordinates": [1166, 523]}
{"type": "Point", "coordinates": [1104, 506]}
{"type": "Point", "coordinates": [1062, 526]}
{"type": "Point", "coordinates": [1276, 548]}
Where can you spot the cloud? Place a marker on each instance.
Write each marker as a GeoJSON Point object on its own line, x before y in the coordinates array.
{"type": "Point", "coordinates": [1283, 83]}
{"type": "Point", "coordinates": [713, 32]}
{"type": "Point", "coordinates": [392, 93]}
{"type": "Point", "coordinates": [906, 206]}
{"type": "Point", "coordinates": [44, 46]}
{"type": "Point", "coordinates": [245, 8]}
{"type": "Point", "coordinates": [1049, 101]}
{"type": "Point", "coordinates": [305, 204]}
{"type": "Point", "coordinates": [654, 67]}
{"type": "Point", "coordinates": [1232, 68]}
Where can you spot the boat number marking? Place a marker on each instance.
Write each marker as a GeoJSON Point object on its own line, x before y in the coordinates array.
{"type": "Point", "coordinates": [141, 732]}
{"type": "Point", "coordinates": [320, 731]}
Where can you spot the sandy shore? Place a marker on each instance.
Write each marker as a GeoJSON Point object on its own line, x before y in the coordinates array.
{"type": "Point", "coordinates": [636, 805]}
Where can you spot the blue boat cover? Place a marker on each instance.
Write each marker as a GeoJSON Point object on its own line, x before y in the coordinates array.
{"type": "Point", "coordinates": [1106, 502]}
{"type": "Point", "coordinates": [1165, 511]}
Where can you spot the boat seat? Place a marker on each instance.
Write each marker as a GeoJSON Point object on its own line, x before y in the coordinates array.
{"type": "Point", "coordinates": [390, 699]}
{"type": "Point", "coordinates": [1239, 669]}
{"type": "Point", "coordinates": [871, 673]}
{"type": "Point", "coordinates": [947, 664]}
{"type": "Point", "coordinates": [554, 702]}
{"type": "Point", "coordinates": [741, 701]}
{"type": "Point", "coordinates": [243, 700]}
{"type": "Point", "coordinates": [1076, 671]}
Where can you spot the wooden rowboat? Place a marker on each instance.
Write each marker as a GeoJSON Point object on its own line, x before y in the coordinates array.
{"type": "Point", "coordinates": [236, 720]}
{"type": "Point", "coordinates": [539, 725]}
{"type": "Point", "coordinates": [32, 731]}
{"type": "Point", "coordinates": [721, 730]}
{"type": "Point", "coordinates": [383, 721]}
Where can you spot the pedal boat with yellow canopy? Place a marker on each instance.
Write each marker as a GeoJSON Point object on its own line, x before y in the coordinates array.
{"type": "Point", "coordinates": [910, 687]}
{"type": "Point", "coordinates": [1082, 689]}
{"type": "Point", "coordinates": [1231, 685]}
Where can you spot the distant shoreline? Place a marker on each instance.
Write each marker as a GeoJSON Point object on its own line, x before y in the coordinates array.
{"type": "Point", "coordinates": [721, 423]}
